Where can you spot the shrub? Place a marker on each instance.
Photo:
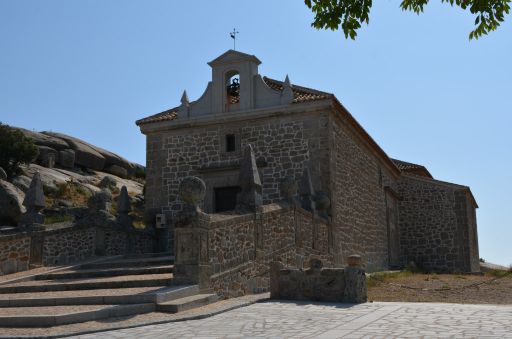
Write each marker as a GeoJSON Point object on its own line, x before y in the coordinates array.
{"type": "Point", "coordinates": [15, 149]}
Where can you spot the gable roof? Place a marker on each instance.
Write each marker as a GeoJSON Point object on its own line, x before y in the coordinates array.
{"type": "Point", "coordinates": [300, 94]}
{"type": "Point", "coordinates": [405, 166]}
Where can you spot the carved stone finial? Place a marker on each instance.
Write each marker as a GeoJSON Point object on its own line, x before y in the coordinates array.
{"type": "Point", "coordinates": [306, 191]}
{"type": "Point", "coordinates": [184, 98]}
{"type": "Point", "coordinates": [34, 202]}
{"type": "Point", "coordinates": [192, 191]}
{"type": "Point", "coordinates": [184, 108]}
{"type": "Point", "coordinates": [123, 208]}
{"type": "Point", "coordinates": [34, 198]}
{"type": "Point", "coordinates": [354, 260]}
{"type": "Point", "coordinates": [123, 201]}
{"type": "Point", "coordinates": [287, 93]}
{"type": "Point", "coordinates": [249, 197]}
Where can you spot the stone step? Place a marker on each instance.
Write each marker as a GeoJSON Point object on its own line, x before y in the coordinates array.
{"type": "Point", "coordinates": [148, 255]}
{"type": "Point", "coordinates": [146, 280]}
{"type": "Point", "coordinates": [131, 262]}
{"type": "Point", "coordinates": [105, 272]}
{"type": "Point", "coordinates": [99, 297]}
{"type": "Point", "coordinates": [186, 303]}
{"type": "Point", "coordinates": [61, 315]}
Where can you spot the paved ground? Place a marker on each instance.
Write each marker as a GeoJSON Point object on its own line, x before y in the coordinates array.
{"type": "Point", "coordinates": [322, 320]}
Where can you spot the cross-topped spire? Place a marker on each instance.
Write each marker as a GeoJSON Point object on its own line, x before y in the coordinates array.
{"type": "Point", "coordinates": [233, 36]}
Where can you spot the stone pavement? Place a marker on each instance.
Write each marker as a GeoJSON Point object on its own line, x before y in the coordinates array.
{"type": "Point", "coordinates": [286, 319]}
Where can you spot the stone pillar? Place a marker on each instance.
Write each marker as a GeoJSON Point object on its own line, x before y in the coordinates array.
{"type": "Point", "coordinates": [34, 202]}
{"type": "Point", "coordinates": [191, 264]}
{"type": "Point", "coordinates": [249, 198]}
{"type": "Point", "coordinates": [355, 281]}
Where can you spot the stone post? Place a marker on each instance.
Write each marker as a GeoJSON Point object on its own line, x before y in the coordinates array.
{"type": "Point", "coordinates": [191, 264]}
{"type": "Point", "coordinates": [355, 281]}
{"type": "Point", "coordinates": [34, 202]}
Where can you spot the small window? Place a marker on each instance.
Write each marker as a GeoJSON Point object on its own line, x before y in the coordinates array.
{"type": "Point", "coordinates": [230, 143]}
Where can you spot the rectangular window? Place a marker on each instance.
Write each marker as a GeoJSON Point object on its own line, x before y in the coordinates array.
{"type": "Point", "coordinates": [230, 143]}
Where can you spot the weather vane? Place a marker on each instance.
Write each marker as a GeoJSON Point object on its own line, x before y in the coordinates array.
{"type": "Point", "coordinates": [233, 36]}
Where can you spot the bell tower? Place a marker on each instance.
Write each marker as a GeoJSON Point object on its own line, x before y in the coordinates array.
{"type": "Point", "coordinates": [233, 81]}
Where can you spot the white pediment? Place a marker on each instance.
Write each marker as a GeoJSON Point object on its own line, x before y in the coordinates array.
{"type": "Point", "coordinates": [232, 56]}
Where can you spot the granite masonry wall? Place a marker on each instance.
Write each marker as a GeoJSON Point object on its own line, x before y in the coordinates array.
{"type": "Point", "coordinates": [282, 145]}
{"type": "Point", "coordinates": [14, 254]}
{"type": "Point", "coordinates": [317, 283]}
{"type": "Point", "coordinates": [437, 225]}
{"type": "Point", "coordinates": [359, 205]}
{"type": "Point", "coordinates": [67, 244]}
{"type": "Point", "coordinates": [235, 252]}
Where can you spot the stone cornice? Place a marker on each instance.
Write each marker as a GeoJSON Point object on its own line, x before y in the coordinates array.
{"type": "Point", "coordinates": [253, 114]}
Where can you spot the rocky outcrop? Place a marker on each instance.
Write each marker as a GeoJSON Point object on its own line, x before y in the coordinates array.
{"type": "Point", "coordinates": [62, 150]}
{"type": "Point", "coordinates": [85, 154]}
{"type": "Point", "coordinates": [41, 139]}
{"type": "Point", "coordinates": [11, 203]}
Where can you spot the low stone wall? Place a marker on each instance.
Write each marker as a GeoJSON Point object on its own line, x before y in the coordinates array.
{"type": "Point", "coordinates": [318, 284]}
{"type": "Point", "coordinates": [14, 253]}
{"type": "Point", "coordinates": [67, 243]}
{"type": "Point", "coordinates": [232, 253]}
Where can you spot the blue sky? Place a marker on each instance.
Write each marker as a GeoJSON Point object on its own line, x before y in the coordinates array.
{"type": "Point", "coordinates": [416, 83]}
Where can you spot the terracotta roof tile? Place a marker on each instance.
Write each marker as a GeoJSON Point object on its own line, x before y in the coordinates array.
{"type": "Point", "coordinates": [412, 168]}
{"type": "Point", "coordinates": [170, 114]}
{"type": "Point", "coordinates": [301, 94]}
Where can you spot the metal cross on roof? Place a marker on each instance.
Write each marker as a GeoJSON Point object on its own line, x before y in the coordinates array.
{"type": "Point", "coordinates": [233, 36]}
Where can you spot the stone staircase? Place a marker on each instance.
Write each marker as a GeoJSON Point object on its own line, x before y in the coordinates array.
{"type": "Point", "coordinates": [116, 287]}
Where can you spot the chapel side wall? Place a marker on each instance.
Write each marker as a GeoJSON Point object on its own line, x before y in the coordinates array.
{"type": "Point", "coordinates": [359, 204]}
{"type": "Point", "coordinates": [285, 144]}
{"type": "Point", "coordinates": [437, 230]}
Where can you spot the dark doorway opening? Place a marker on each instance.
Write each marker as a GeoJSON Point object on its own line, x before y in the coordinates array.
{"type": "Point", "coordinates": [225, 198]}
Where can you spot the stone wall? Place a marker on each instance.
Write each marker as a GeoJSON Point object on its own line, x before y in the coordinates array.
{"type": "Point", "coordinates": [232, 253]}
{"type": "Point", "coordinates": [14, 254]}
{"type": "Point", "coordinates": [67, 244]}
{"type": "Point", "coordinates": [282, 145]}
{"type": "Point", "coordinates": [359, 205]}
{"type": "Point", "coordinates": [318, 284]}
{"type": "Point", "coordinates": [437, 225]}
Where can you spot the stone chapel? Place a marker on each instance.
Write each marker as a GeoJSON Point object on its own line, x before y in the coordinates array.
{"type": "Point", "coordinates": [390, 211]}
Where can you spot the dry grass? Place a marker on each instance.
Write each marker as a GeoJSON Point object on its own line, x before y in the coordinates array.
{"type": "Point", "coordinates": [69, 191]}
{"type": "Point", "coordinates": [495, 287]}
